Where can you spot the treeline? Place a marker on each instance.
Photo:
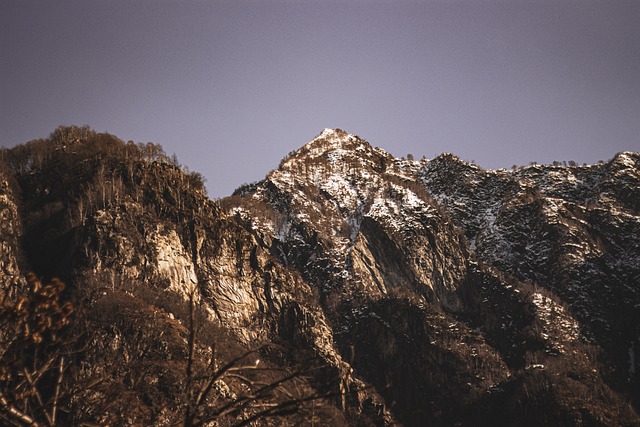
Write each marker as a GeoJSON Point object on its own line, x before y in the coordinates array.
{"type": "Point", "coordinates": [79, 142]}
{"type": "Point", "coordinates": [555, 163]}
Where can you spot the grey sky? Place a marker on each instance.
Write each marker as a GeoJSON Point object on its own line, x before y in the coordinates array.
{"type": "Point", "coordinates": [231, 87]}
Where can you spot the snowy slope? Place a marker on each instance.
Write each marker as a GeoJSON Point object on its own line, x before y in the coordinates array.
{"type": "Point", "coordinates": [544, 260]}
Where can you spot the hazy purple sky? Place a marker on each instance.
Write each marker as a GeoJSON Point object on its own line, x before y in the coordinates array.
{"type": "Point", "coordinates": [231, 87]}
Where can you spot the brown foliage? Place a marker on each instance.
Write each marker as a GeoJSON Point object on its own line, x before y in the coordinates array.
{"type": "Point", "coordinates": [32, 353]}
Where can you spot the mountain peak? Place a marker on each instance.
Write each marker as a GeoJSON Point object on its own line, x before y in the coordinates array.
{"type": "Point", "coordinates": [333, 138]}
{"type": "Point", "coordinates": [332, 145]}
{"type": "Point", "coordinates": [327, 132]}
{"type": "Point", "coordinates": [495, 297]}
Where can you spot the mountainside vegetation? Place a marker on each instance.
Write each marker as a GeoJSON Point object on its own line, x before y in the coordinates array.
{"type": "Point", "coordinates": [348, 287]}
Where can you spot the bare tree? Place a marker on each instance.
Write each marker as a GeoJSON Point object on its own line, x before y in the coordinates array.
{"type": "Point", "coordinates": [285, 395]}
{"type": "Point", "coordinates": [33, 359]}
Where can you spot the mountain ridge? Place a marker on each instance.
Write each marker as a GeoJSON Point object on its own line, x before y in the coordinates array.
{"type": "Point", "coordinates": [419, 291]}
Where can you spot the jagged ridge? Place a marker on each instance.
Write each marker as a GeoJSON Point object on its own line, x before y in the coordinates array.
{"type": "Point", "coordinates": [417, 231]}
{"type": "Point", "coordinates": [461, 295]}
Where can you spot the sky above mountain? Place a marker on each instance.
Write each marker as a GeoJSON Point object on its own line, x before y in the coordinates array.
{"type": "Point", "coordinates": [233, 86]}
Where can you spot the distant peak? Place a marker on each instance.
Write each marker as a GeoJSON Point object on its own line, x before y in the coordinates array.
{"type": "Point", "coordinates": [449, 158]}
{"type": "Point", "coordinates": [451, 162]}
{"type": "Point", "coordinates": [330, 139]}
{"type": "Point", "coordinates": [626, 157]}
{"type": "Point", "coordinates": [327, 132]}
{"type": "Point", "coordinates": [333, 145]}
{"type": "Point", "coordinates": [333, 133]}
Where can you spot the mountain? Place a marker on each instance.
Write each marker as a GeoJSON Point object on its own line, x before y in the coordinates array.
{"type": "Point", "coordinates": [348, 287]}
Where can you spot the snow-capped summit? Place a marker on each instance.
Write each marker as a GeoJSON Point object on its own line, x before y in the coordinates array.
{"type": "Point", "coordinates": [328, 132]}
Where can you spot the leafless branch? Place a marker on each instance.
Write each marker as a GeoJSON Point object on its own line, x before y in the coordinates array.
{"type": "Point", "coordinates": [56, 396]}
{"type": "Point", "coordinates": [36, 393]}
{"type": "Point", "coordinates": [17, 414]}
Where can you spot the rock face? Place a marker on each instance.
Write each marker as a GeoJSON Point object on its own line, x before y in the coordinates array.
{"type": "Point", "coordinates": [406, 292]}
{"type": "Point", "coordinates": [528, 270]}
{"type": "Point", "coordinates": [10, 275]}
{"type": "Point", "coordinates": [572, 230]}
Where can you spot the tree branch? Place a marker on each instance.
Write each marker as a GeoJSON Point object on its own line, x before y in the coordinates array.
{"type": "Point", "coordinates": [56, 396]}
{"type": "Point", "coordinates": [17, 414]}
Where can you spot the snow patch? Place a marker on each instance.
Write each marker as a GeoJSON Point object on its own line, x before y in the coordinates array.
{"type": "Point", "coordinates": [558, 327]}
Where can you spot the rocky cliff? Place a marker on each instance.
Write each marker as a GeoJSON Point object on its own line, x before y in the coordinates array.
{"type": "Point", "coordinates": [348, 287]}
